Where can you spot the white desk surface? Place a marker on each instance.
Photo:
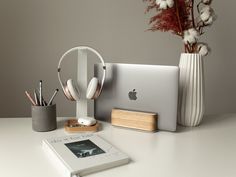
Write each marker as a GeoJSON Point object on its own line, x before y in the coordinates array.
{"type": "Point", "coordinates": [205, 151]}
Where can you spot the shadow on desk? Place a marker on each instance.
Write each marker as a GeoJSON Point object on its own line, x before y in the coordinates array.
{"type": "Point", "coordinates": [210, 121]}
{"type": "Point", "coordinates": [60, 123]}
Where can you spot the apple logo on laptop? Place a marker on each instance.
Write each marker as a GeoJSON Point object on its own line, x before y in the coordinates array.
{"type": "Point", "coordinates": [132, 95]}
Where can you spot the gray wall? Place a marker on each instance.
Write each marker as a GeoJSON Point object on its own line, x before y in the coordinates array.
{"type": "Point", "coordinates": [34, 34]}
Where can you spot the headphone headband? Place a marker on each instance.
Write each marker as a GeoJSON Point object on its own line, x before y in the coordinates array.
{"type": "Point", "coordinates": [82, 48]}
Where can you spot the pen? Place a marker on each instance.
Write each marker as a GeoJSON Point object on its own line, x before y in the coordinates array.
{"type": "Point", "coordinates": [36, 98]}
{"type": "Point", "coordinates": [40, 93]}
{"type": "Point", "coordinates": [44, 102]}
{"type": "Point", "coordinates": [54, 94]}
{"type": "Point", "coordinates": [30, 98]}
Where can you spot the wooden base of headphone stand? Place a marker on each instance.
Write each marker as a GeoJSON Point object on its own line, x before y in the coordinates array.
{"type": "Point", "coordinates": [72, 126]}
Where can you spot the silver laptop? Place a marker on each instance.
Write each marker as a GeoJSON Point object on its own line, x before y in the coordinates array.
{"type": "Point", "coordinates": [148, 88]}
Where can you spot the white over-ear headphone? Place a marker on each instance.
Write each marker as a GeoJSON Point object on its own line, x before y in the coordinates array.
{"type": "Point", "coordinates": [71, 89]}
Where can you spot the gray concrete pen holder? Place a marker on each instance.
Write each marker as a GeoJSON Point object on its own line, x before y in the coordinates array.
{"type": "Point", "coordinates": [44, 118]}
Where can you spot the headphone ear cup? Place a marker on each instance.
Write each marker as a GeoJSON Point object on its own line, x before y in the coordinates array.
{"type": "Point", "coordinates": [92, 88]}
{"type": "Point", "coordinates": [66, 92]}
{"type": "Point", "coordinates": [73, 89]}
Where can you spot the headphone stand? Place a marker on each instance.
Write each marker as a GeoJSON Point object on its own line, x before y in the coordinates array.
{"type": "Point", "coordinates": [84, 107]}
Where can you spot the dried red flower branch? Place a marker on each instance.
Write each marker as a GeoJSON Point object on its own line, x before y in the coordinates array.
{"type": "Point", "coordinates": [179, 19]}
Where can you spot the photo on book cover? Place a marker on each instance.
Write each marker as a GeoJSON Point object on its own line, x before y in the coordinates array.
{"type": "Point", "coordinates": [84, 148]}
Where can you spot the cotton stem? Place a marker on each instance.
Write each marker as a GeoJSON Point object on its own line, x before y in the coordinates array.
{"type": "Point", "coordinates": [192, 13]}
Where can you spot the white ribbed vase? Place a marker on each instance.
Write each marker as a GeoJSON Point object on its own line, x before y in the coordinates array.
{"type": "Point", "coordinates": [191, 90]}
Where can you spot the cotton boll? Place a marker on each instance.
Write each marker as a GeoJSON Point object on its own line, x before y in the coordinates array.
{"type": "Point", "coordinates": [189, 39]}
{"type": "Point", "coordinates": [209, 21]}
{"type": "Point", "coordinates": [205, 16]}
{"type": "Point", "coordinates": [190, 36]}
{"type": "Point", "coordinates": [205, 13]}
{"type": "Point", "coordinates": [186, 34]}
{"type": "Point", "coordinates": [193, 32]}
{"type": "Point", "coordinates": [164, 4]}
{"type": "Point", "coordinates": [203, 49]}
{"type": "Point", "coordinates": [170, 3]}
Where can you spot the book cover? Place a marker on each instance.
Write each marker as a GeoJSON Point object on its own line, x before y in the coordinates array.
{"type": "Point", "coordinates": [82, 154]}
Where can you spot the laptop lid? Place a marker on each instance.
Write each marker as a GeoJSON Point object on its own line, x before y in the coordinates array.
{"type": "Point", "coordinates": [147, 88]}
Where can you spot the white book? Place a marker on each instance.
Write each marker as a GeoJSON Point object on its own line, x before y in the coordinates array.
{"type": "Point", "coordinates": [79, 155]}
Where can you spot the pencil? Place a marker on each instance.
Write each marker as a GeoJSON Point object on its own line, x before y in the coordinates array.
{"type": "Point", "coordinates": [35, 98]}
{"type": "Point", "coordinates": [54, 94]}
{"type": "Point", "coordinates": [40, 93]}
{"type": "Point", "coordinates": [30, 98]}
